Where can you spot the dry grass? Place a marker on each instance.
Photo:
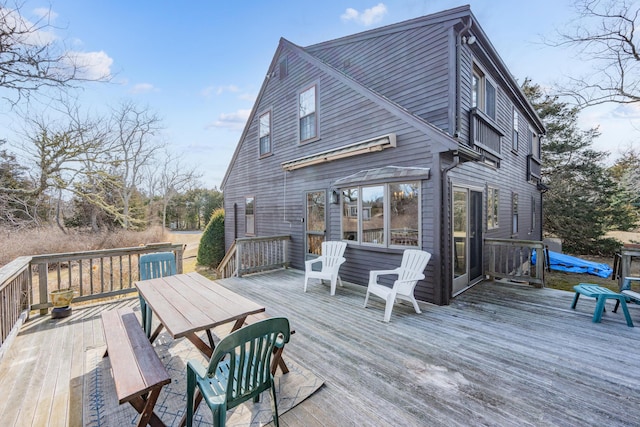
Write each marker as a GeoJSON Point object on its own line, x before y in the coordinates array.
{"type": "Point", "coordinates": [53, 240]}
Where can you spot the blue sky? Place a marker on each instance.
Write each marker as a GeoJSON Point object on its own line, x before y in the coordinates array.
{"type": "Point", "coordinates": [200, 64]}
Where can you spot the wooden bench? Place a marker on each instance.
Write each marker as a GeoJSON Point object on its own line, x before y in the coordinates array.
{"type": "Point", "coordinates": [601, 295]}
{"type": "Point", "coordinates": [137, 371]}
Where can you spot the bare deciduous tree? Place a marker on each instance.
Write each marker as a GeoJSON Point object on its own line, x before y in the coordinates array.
{"type": "Point", "coordinates": [135, 131]}
{"type": "Point", "coordinates": [606, 35]}
{"type": "Point", "coordinates": [32, 58]}
{"type": "Point", "coordinates": [172, 178]}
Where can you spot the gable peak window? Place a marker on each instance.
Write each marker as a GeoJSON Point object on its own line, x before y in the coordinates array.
{"type": "Point", "coordinates": [265, 133]}
{"type": "Point", "coordinates": [307, 106]}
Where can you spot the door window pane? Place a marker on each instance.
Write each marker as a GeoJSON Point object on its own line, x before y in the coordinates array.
{"type": "Point", "coordinates": [250, 224]}
{"type": "Point", "coordinates": [459, 232]}
{"type": "Point", "coordinates": [315, 221]}
{"type": "Point", "coordinates": [404, 213]}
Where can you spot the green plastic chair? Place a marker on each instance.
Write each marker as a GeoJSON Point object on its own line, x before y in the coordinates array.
{"type": "Point", "coordinates": [152, 266]}
{"type": "Point", "coordinates": [239, 369]}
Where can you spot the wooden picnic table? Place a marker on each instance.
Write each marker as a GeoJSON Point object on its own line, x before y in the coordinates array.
{"type": "Point", "coordinates": [186, 304]}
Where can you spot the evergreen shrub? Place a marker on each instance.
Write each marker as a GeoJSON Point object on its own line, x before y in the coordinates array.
{"type": "Point", "coordinates": [211, 248]}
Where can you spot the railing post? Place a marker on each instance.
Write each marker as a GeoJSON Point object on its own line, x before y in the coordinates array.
{"type": "Point", "coordinates": [239, 259]}
{"type": "Point", "coordinates": [43, 271]}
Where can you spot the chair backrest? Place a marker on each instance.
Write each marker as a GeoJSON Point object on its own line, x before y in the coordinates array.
{"type": "Point", "coordinates": [333, 248]}
{"type": "Point", "coordinates": [414, 262]}
{"type": "Point", "coordinates": [159, 264]}
{"type": "Point", "coordinates": [249, 351]}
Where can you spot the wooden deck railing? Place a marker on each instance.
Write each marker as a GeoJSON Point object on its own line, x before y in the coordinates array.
{"type": "Point", "coordinates": [512, 259]}
{"type": "Point", "coordinates": [25, 282]}
{"type": "Point", "coordinates": [15, 282]}
{"type": "Point", "coordinates": [253, 254]}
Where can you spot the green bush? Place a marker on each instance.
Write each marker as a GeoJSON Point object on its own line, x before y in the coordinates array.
{"type": "Point", "coordinates": [211, 249]}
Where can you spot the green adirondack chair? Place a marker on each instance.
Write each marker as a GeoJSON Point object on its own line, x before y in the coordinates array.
{"type": "Point", "coordinates": [152, 266]}
{"type": "Point", "coordinates": [239, 370]}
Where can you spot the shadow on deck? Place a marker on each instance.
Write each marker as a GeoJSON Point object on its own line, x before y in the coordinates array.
{"type": "Point", "coordinates": [500, 354]}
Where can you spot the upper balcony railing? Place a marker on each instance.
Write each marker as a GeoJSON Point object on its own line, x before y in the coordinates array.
{"type": "Point", "coordinates": [484, 133]}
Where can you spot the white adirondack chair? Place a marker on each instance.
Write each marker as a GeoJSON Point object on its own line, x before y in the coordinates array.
{"type": "Point", "coordinates": [409, 273]}
{"type": "Point", "coordinates": [331, 259]}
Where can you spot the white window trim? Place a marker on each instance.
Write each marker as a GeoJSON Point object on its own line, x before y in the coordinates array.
{"type": "Point", "coordinates": [316, 112]}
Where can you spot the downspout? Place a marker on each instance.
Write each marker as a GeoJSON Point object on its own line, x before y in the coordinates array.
{"type": "Point", "coordinates": [444, 218]}
{"type": "Point", "coordinates": [459, 77]}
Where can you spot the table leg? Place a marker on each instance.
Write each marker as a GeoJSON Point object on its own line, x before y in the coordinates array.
{"type": "Point", "coordinates": [145, 409]}
{"type": "Point", "coordinates": [597, 314]}
{"type": "Point", "coordinates": [155, 334]}
{"type": "Point", "coordinates": [625, 310]}
{"type": "Point", "coordinates": [200, 345]}
{"type": "Point", "coordinates": [575, 300]}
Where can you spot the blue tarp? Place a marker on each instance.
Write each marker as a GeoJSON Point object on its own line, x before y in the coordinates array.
{"type": "Point", "coordinates": [571, 264]}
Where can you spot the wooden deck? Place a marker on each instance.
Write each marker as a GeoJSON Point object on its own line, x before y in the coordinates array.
{"type": "Point", "coordinates": [500, 355]}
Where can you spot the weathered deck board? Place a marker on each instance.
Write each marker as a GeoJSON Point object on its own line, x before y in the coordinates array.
{"type": "Point", "coordinates": [501, 354]}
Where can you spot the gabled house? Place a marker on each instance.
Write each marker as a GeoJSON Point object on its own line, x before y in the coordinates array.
{"type": "Point", "coordinates": [409, 135]}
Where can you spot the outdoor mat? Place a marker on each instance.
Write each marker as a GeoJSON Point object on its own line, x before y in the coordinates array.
{"type": "Point", "coordinates": [101, 408]}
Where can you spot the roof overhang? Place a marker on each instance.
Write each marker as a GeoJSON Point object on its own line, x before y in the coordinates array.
{"type": "Point", "coordinates": [369, 146]}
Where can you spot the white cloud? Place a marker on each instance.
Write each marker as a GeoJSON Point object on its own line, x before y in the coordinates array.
{"type": "Point", "coordinates": [91, 65]}
{"type": "Point", "coordinates": [231, 121]}
{"type": "Point", "coordinates": [626, 111]}
{"type": "Point", "coordinates": [219, 90]}
{"type": "Point", "coordinates": [368, 17]}
{"type": "Point", "coordinates": [143, 88]}
{"type": "Point", "coordinates": [46, 13]}
{"type": "Point", "coordinates": [26, 31]}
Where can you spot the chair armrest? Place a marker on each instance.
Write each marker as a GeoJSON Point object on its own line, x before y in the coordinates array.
{"type": "Point", "coordinates": [308, 263]}
{"type": "Point", "coordinates": [373, 274]}
{"type": "Point", "coordinates": [198, 368]}
{"type": "Point", "coordinates": [411, 279]}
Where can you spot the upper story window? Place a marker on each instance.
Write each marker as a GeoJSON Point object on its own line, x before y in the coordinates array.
{"type": "Point", "coordinates": [534, 144]}
{"type": "Point", "coordinates": [382, 215]}
{"type": "Point", "coordinates": [516, 133]}
{"type": "Point", "coordinates": [307, 114]}
{"type": "Point", "coordinates": [483, 93]}
{"type": "Point", "coordinates": [265, 133]}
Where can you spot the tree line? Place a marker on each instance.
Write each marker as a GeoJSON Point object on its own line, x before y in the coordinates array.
{"type": "Point", "coordinates": [100, 173]}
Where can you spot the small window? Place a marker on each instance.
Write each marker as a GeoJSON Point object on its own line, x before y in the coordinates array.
{"type": "Point", "coordinates": [514, 139]}
{"type": "Point", "coordinates": [493, 202]}
{"type": "Point", "coordinates": [490, 99]}
{"type": "Point", "coordinates": [283, 68]}
{"type": "Point", "coordinates": [514, 213]}
{"type": "Point", "coordinates": [249, 215]}
{"type": "Point", "coordinates": [265, 134]}
{"type": "Point", "coordinates": [534, 144]}
{"type": "Point", "coordinates": [483, 93]}
{"type": "Point", "coordinates": [307, 114]}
